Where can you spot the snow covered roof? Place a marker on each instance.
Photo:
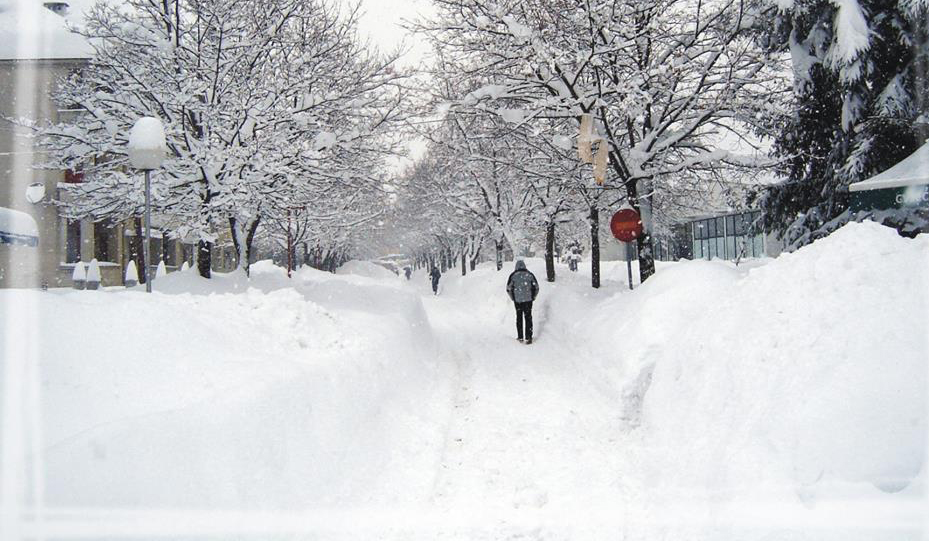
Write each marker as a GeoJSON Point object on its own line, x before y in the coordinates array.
{"type": "Point", "coordinates": [911, 171]}
{"type": "Point", "coordinates": [17, 227]}
{"type": "Point", "coordinates": [31, 31]}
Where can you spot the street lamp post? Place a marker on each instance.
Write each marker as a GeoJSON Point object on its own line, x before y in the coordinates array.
{"type": "Point", "coordinates": [147, 148]}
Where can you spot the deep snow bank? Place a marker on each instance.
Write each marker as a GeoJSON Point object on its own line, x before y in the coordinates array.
{"type": "Point", "coordinates": [261, 393]}
{"type": "Point", "coordinates": [367, 269]}
{"type": "Point", "coordinates": [807, 375]}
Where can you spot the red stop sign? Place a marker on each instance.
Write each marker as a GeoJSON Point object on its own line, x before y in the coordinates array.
{"type": "Point", "coordinates": [626, 225]}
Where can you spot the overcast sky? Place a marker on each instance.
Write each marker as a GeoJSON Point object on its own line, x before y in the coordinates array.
{"type": "Point", "coordinates": [382, 21]}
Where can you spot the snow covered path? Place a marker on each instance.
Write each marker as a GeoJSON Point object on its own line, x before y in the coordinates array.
{"type": "Point", "coordinates": [528, 429]}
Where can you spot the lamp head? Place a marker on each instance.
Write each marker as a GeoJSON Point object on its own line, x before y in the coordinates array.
{"type": "Point", "coordinates": [147, 146]}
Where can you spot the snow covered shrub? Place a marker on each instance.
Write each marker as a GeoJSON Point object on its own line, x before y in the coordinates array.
{"type": "Point", "coordinates": [79, 275]}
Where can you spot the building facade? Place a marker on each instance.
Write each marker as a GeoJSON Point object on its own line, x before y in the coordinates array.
{"type": "Point", "coordinates": [30, 67]}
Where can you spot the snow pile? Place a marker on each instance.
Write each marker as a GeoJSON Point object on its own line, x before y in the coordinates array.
{"type": "Point", "coordinates": [366, 269]}
{"type": "Point", "coordinates": [261, 394]}
{"type": "Point", "coordinates": [773, 401]}
{"type": "Point", "coordinates": [807, 377]}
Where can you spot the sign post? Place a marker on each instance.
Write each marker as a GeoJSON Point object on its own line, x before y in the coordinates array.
{"type": "Point", "coordinates": [626, 226]}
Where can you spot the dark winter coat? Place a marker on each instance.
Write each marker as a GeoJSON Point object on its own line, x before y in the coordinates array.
{"type": "Point", "coordinates": [435, 275]}
{"type": "Point", "coordinates": [522, 285]}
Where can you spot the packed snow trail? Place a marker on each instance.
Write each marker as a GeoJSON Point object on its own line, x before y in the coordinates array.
{"type": "Point", "coordinates": [528, 429]}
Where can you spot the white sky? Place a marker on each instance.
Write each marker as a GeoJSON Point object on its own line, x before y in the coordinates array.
{"type": "Point", "coordinates": [382, 20]}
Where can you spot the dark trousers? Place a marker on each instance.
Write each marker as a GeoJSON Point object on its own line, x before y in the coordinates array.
{"type": "Point", "coordinates": [524, 310]}
{"type": "Point", "coordinates": [435, 285]}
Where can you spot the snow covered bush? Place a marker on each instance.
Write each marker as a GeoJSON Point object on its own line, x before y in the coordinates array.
{"type": "Point", "coordinates": [131, 277]}
{"type": "Point", "coordinates": [78, 275]}
{"type": "Point", "coordinates": [93, 274]}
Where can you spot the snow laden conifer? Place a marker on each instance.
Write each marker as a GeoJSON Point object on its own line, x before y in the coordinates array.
{"type": "Point", "coordinates": [266, 106]}
{"type": "Point", "coordinates": [860, 106]}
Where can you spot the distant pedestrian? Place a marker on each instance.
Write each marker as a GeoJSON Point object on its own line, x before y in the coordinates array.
{"type": "Point", "coordinates": [522, 287]}
{"type": "Point", "coordinates": [574, 259]}
{"type": "Point", "coordinates": [406, 271]}
{"type": "Point", "coordinates": [435, 275]}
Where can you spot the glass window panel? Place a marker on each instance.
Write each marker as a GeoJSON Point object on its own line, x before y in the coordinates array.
{"type": "Point", "coordinates": [739, 224]}
{"type": "Point", "coordinates": [745, 245]}
{"type": "Point", "coordinates": [156, 251]}
{"type": "Point", "coordinates": [720, 247]}
{"type": "Point", "coordinates": [73, 242]}
{"type": "Point", "coordinates": [711, 228]}
{"type": "Point", "coordinates": [698, 249]}
{"type": "Point", "coordinates": [170, 254]}
{"type": "Point", "coordinates": [730, 225]}
{"type": "Point", "coordinates": [730, 248]}
{"type": "Point", "coordinates": [720, 226]}
{"type": "Point", "coordinates": [698, 230]}
{"type": "Point", "coordinates": [101, 241]}
{"type": "Point", "coordinates": [759, 246]}
{"type": "Point", "coordinates": [711, 253]}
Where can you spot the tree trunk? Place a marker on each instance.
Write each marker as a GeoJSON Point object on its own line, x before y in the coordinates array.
{"type": "Point", "coordinates": [550, 252]}
{"type": "Point", "coordinates": [242, 241]}
{"type": "Point", "coordinates": [204, 258]}
{"type": "Point", "coordinates": [464, 259]}
{"type": "Point", "coordinates": [498, 245]}
{"type": "Point", "coordinates": [644, 241]}
{"type": "Point", "coordinates": [477, 255]}
{"type": "Point", "coordinates": [594, 247]}
{"type": "Point", "coordinates": [136, 252]}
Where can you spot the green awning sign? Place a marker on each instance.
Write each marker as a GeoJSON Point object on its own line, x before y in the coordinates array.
{"type": "Point", "coordinates": [891, 198]}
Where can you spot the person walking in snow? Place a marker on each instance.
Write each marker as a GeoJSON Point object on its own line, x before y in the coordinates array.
{"type": "Point", "coordinates": [574, 259]}
{"type": "Point", "coordinates": [522, 287]}
{"type": "Point", "coordinates": [435, 275]}
{"type": "Point", "coordinates": [406, 271]}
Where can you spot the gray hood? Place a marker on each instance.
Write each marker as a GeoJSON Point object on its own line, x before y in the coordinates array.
{"type": "Point", "coordinates": [520, 265]}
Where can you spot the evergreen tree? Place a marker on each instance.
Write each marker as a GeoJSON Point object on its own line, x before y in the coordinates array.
{"type": "Point", "coordinates": [860, 85]}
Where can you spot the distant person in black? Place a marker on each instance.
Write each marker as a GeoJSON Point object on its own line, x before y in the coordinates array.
{"type": "Point", "coordinates": [406, 271]}
{"type": "Point", "coordinates": [522, 287]}
{"type": "Point", "coordinates": [435, 275]}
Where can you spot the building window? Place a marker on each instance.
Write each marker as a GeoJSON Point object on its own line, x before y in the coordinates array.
{"type": "Point", "coordinates": [102, 233]}
{"type": "Point", "coordinates": [170, 252]}
{"type": "Point", "coordinates": [73, 241]}
{"type": "Point", "coordinates": [729, 237]}
{"type": "Point", "coordinates": [74, 177]}
{"type": "Point", "coordinates": [155, 250]}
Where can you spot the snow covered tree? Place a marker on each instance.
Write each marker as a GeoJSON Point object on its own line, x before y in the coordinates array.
{"type": "Point", "coordinates": [666, 83]}
{"type": "Point", "coordinates": [266, 105]}
{"type": "Point", "coordinates": [860, 72]}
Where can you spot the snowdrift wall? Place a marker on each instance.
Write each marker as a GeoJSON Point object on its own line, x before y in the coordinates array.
{"type": "Point", "coordinates": [277, 394]}
{"type": "Point", "coordinates": [807, 375]}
